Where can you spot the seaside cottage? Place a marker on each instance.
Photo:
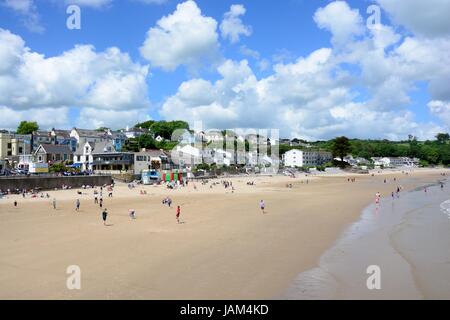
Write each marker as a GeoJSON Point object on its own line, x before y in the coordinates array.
{"type": "Point", "coordinates": [84, 156]}
{"type": "Point", "coordinates": [51, 153]}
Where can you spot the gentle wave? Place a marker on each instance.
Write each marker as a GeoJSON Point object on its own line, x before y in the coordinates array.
{"type": "Point", "coordinates": [445, 207]}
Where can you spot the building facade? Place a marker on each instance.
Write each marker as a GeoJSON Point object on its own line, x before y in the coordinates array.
{"type": "Point", "coordinates": [12, 145]}
{"type": "Point", "coordinates": [301, 158]}
{"type": "Point", "coordinates": [84, 156]}
{"type": "Point", "coordinates": [151, 160]}
{"type": "Point", "coordinates": [52, 153]}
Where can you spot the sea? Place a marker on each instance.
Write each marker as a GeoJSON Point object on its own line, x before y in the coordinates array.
{"type": "Point", "coordinates": [398, 249]}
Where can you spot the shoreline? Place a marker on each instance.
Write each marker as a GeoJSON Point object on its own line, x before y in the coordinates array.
{"type": "Point", "coordinates": [386, 235]}
{"type": "Point", "coordinates": [225, 250]}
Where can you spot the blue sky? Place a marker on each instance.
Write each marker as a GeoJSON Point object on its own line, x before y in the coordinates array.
{"type": "Point", "coordinates": [255, 80]}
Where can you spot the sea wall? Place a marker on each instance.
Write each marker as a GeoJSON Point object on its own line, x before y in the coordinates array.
{"type": "Point", "coordinates": [49, 183]}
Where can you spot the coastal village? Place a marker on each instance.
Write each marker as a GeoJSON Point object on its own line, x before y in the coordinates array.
{"type": "Point", "coordinates": [81, 151]}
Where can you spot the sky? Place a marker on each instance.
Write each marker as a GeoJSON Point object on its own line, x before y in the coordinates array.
{"type": "Point", "coordinates": [314, 69]}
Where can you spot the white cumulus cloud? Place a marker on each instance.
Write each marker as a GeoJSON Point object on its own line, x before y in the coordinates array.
{"type": "Point", "coordinates": [79, 78]}
{"type": "Point", "coordinates": [343, 22]}
{"type": "Point", "coordinates": [185, 37]}
{"type": "Point", "coordinates": [232, 27]}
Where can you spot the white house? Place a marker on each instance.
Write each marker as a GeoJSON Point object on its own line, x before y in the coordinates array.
{"type": "Point", "coordinates": [84, 156]}
{"type": "Point", "coordinates": [293, 158]}
{"type": "Point", "coordinates": [300, 158]}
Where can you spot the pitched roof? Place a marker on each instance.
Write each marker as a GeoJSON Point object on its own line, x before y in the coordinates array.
{"type": "Point", "coordinates": [91, 133]}
{"type": "Point", "coordinates": [56, 148]}
{"type": "Point", "coordinates": [62, 133]}
{"type": "Point", "coordinates": [97, 147]}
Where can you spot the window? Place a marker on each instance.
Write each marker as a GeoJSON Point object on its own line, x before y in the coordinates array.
{"type": "Point", "coordinates": [9, 145]}
{"type": "Point", "coordinates": [20, 150]}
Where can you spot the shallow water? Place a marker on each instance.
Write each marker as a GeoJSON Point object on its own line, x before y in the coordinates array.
{"type": "Point", "coordinates": [408, 238]}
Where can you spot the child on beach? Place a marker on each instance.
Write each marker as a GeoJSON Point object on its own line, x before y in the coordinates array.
{"type": "Point", "coordinates": [54, 203]}
{"type": "Point", "coordinates": [262, 205]}
{"type": "Point", "coordinates": [104, 216]}
{"type": "Point", "coordinates": [77, 205]}
{"type": "Point", "coordinates": [15, 203]}
{"type": "Point", "coordinates": [132, 214]}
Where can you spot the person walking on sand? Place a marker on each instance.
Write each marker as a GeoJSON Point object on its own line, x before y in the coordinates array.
{"type": "Point", "coordinates": [178, 214]}
{"type": "Point", "coordinates": [15, 203]}
{"type": "Point", "coordinates": [101, 202]}
{"type": "Point", "coordinates": [54, 203]}
{"type": "Point", "coordinates": [262, 206]}
{"type": "Point", "coordinates": [105, 216]}
{"type": "Point", "coordinates": [132, 214]}
{"type": "Point", "coordinates": [77, 205]}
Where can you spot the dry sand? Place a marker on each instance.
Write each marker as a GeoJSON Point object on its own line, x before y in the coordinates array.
{"type": "Point", "coordinates": [225, 249]}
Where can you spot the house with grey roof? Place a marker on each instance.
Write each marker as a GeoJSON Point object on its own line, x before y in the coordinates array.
{"type": "Point", "coordinates": [98, 136]}
{"type": "Point", "coordinates": [84, 155]}
{"type": "Point", "coordinates": [53, 153]}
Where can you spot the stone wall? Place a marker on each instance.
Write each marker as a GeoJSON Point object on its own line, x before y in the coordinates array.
{"type": "Point", "coordinates": [49, 183]}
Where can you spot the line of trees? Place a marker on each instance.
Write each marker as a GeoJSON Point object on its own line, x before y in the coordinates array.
{"type": "Point", "coordinates": [163, 128]}
{"type": "Point", "coordinates": [430, 152]}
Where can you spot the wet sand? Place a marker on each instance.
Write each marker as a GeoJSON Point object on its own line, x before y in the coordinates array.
{"type": "Point", "coordinates": [407, 237]}
{"type": "Point", "coordinates": [224, 249]}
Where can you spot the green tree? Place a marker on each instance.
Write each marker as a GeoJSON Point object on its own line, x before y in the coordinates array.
{"type": "Point", "coordinates": [146, 141]}
{"type": "Point", "coordinates": [145, 125]}
{"type": "Point", "coordinates": [27, 127]}
{"type": "Point", "coordinates": [341, 147]}
{"type": "Point", "coordinates": [163, 128]}
{"type": "Point", "coordinates": [442, 137]}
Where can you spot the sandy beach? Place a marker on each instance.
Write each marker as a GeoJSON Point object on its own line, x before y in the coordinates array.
{"type": "Point", "coordinates": [225, 248]}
